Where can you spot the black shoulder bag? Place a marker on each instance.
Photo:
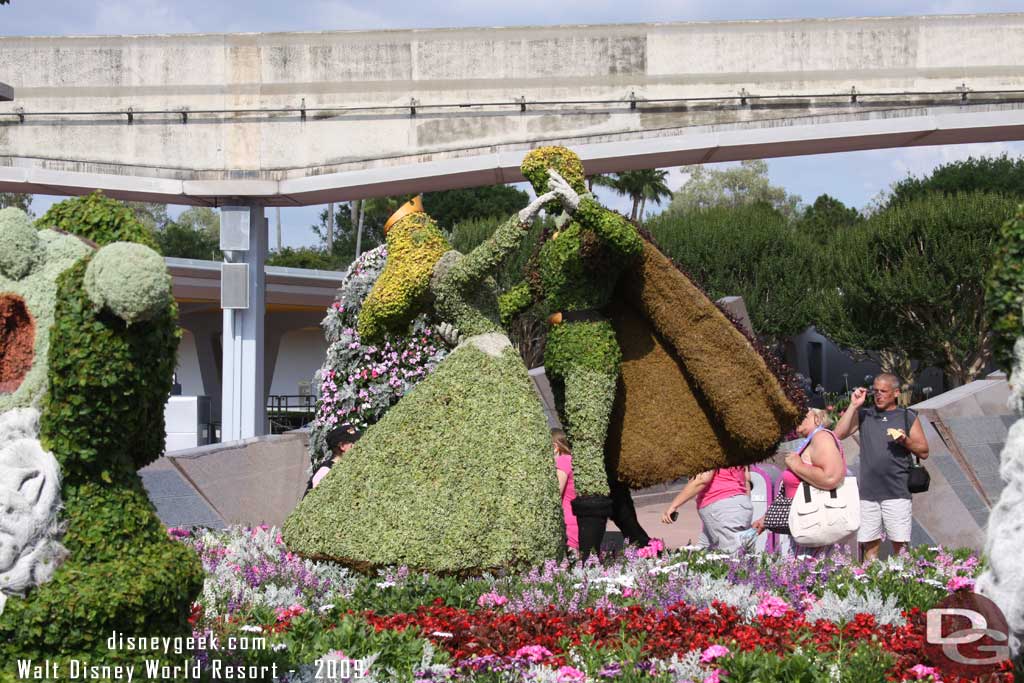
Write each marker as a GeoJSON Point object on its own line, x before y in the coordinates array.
{"type": "Point", "coordinates": [918, 479]}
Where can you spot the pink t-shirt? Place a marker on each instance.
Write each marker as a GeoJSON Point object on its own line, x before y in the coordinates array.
{"type": "Point", "coordinates": [320, 474]}
{"type": "Point", "coordinates": [726, 483]}
{"type": "Point", "coordinates": [572, 534]}
{"type": "Point", "coordinates": [790, 480]}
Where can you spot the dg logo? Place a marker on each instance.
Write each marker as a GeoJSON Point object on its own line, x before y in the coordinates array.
{"type": "Point", "coordinates": [966, 634]}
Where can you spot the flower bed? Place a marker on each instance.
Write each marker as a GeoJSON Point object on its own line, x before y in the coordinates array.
{"type": "Point", "coordinates": [687, 616]}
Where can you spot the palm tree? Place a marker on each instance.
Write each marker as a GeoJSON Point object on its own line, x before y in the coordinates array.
{"type": "Point", "coordinates": [640, 186]}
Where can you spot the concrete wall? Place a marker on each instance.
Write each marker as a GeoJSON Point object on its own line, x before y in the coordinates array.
{"type": "Point", "coordinates": [220, 154]}
{"type": "Point", "coordinates": [301, 353]}
{"type": "Point", "coordinates": [187, 368]}
{"type": "Point", "coordinates": [834, 362]}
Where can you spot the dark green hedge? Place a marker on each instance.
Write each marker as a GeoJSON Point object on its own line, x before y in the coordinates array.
{"type": "Point", "coordinates": [1005, 296]}
{"type": "Point", "coordinates": [103, 419]}
{"type": "Point", "coordinates": [98, 218]}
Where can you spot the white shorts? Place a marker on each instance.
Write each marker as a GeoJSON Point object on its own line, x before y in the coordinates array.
{"type": "Point", "coordinates": [895, 515]}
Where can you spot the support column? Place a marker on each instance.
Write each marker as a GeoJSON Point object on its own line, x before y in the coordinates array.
{"type": "Point", "coordinates": [243, 394]}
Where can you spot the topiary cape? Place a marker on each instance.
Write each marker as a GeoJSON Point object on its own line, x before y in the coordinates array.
{"type": "Point", "coordinates": [695, 392]}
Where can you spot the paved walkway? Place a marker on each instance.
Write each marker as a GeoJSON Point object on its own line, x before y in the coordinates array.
{"type": "Point", "coordinates": [650, 503]}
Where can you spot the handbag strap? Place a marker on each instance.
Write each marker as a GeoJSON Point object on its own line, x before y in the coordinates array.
{"type": "Point", "coordinates": [807, 492]}
{"type": "Point", "coordinates": [906, 427]}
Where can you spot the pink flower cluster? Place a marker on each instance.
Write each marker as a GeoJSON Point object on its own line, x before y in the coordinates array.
{"type": "Point", "coordinates": [533, 653]}
{"type": "Point", "coordinates": [491, 599]}
{"type": "Point", "coordinates": [653, 547]}
{"type": "Point", "coordinates": [772, 606]}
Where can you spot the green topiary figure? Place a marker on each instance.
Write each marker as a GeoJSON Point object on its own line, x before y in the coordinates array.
{"type": "Point", "coordinates": [90, 338]}
{"type": "Point", "coordinates": [578, 268]}
{"type": "Point", "coordinates": [458, 476]}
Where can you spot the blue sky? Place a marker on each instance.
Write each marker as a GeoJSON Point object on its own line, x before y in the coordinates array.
{"type": "Point", "coordinates": [855, 178]}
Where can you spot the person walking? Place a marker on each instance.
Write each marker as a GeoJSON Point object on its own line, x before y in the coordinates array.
{"type": "Point", "coordinates": [723, 503]}
{"type": "Point", "coordinates": [566, 486]}
{"type": "Point", "coordinates": [339, 440]}
{"type": "Point", "coordinates": [889, 437]}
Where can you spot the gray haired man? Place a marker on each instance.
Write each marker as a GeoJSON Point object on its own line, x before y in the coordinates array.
{"type": "Point", "coordinates": [886, 449]}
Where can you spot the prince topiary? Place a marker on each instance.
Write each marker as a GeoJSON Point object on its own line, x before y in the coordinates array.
{"type": "Point", "coordinates": [90, 338]}
{"type": "Point", "coordinates": [579, 267]}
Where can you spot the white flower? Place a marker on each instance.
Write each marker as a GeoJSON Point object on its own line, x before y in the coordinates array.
{"type": "Point", "coordinates": [252, 629]}
{"type": "Point", "coordinates": [386, 584]}
{"type": "Point", "coordinates": [277, 647]}
{"type": "Point", "coordinates": [327, 608]}
{"type": "Point", "coordinates": [442, 634]}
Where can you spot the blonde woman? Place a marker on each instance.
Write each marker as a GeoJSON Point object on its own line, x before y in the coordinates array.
{"type": "Point", "coordinates": [819, 461]}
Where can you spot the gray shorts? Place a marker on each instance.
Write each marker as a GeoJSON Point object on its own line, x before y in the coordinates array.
{"type": "Point", "coordinates": [724, 520]}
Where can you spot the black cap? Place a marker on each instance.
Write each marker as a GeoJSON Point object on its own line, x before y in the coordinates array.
{"type": "Point", "coordinates": [343, 434]}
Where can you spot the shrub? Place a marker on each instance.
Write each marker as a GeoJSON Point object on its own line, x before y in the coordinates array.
{"type": "Point", "coordinates": [100, 219]}
{"type": "Point", "coordinates": [745, 401]}
{"type": "Point", "coordinates": [536, 164]}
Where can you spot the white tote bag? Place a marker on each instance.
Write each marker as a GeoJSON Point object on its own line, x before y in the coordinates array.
{"type": "Point", "coordinates": [818, 517]}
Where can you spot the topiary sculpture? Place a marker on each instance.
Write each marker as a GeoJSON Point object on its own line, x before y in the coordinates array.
{"type": "Point", "coordinates": [578, 269]}
{"type": "Point", "coordinates": [458, 476]}
{"type": "Point", "coordinates": [89, 340]}
{"type": "Point", "coordinates": [692, 393]}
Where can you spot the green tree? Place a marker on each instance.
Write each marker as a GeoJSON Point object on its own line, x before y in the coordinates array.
{"type": "Point", "coordinates": [1004, 297]}
{"type": "Point", "coordinates": [153, 215]}
{"type": "Point", "coordinates": [990, 174]}
{"type": "Point", "coordinates": [751, 251]}
{"type": "Point", "coordinates": [825, 217]}
{"type": "Point", "coordinates": [745, 184]}
{"type": "Point", "coordinates": [98, 218]}
{"type": "Point", "coordinates": [910, 282]}
{"type": "Point", "coordinates": [202, 219]}
{"type": "Point", "coordinates": [310, 257]}
{"type": "Point", "coordinates": [181, 240]}
{"type": "Point", "coordinates": [449, 207]}
{"type": "Point", "coordinates": [17, 200]}
{"type": "Point", "coordinates": [639, 186]}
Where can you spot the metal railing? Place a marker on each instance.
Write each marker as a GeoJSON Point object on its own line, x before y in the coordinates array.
{"type": "Point", "coordinates": [960, 95]}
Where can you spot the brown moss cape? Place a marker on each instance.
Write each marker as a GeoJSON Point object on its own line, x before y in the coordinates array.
{"type": "Point", "coordinates": [731, 410]}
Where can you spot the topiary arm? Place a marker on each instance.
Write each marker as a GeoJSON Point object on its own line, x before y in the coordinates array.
{"type": "Point", "coordinates": [485, 259]}
{"type": "Point", "coordinates": [612, 228]}
{"type": "Point", "coordinates": [514, 301]}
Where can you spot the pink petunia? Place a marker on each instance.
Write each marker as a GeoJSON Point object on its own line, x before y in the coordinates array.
{"type": "Point", "coordinates": [568, 674]}
{"type": "Point", "coordinates": [712, 677]}
{"type": "Point", "coordinates": [534, 653]}
{"type": "Point", "coordinates": [491, 600]}
{"type": "Point", "coordinates": [712, 653]}
{"type": "Point", "coordinates": [921, 672]}
{"type": "Point", "coordinates": [960, 583]}
{"type": "Point", "coordinates": [772, 606]}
